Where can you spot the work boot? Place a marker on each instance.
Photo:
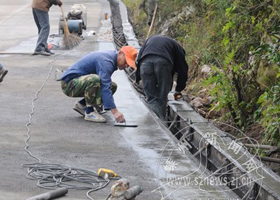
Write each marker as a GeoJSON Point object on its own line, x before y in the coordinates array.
{"type": "Point", "coordinates": [79, 108]}
{"type": "Point", "coordinates": [43, 53]}
{"type": "Point", "coordinates": [94, 117]}
{"type": "Point", "coordinates": [3, 73]}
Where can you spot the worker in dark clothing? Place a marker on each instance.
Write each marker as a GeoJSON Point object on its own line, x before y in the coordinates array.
{"type": "Point", "coordinates": [40, 9]}
{"type": "Point", "coordinates": [158, 60]}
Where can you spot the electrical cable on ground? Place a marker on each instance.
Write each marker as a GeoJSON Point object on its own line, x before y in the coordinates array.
{"type": "Point", "coordinates": [53, 176]}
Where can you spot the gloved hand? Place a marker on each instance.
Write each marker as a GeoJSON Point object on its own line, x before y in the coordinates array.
{"type": "Point", "coordinates": [59, 3]}
{"type": "Point", "coordinates": [178, 95]}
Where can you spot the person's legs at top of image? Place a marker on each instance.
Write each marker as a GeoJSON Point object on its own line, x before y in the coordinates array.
{"type": "Point", "coordinates": [40, 10]}
{"type": "Point", "coordinates": [36, 20]}
{"type": "Point", "coordinates": [3, 73]}
{"type": "Point", "coordinates": [42, 22]}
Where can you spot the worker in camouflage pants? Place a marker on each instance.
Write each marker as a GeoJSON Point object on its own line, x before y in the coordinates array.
{"type": "Point", "coordinates": [88, 86]}
{"type": "Point", "coordinates": [90, 77]}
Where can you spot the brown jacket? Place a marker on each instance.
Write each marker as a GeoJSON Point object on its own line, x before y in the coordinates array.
{"type": "Point", "coordinates": [44, 5]}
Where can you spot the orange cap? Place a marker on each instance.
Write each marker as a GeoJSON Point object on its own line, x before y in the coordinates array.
{"type": "Point", "coordinates": [130, 55]}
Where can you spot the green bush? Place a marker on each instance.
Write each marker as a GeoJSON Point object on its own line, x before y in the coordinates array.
{"type": "Point", "coordinates": [239, 39]}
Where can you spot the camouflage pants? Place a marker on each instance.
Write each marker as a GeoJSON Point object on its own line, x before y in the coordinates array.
{"type": "Point", "coordinates": [88, 86]}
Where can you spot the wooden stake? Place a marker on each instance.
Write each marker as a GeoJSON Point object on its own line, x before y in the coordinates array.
{"type": "Point", "coordinates": [153, 21]}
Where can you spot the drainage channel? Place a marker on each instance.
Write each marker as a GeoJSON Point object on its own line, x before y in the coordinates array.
{"type": "Point", "coordinates": [225, 157]}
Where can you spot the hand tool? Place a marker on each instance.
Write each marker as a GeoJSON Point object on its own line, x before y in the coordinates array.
{"type": "Point", "coordinates": [106, 173]}
{"type": "Point", "coordinates": [69, 40]}
{"type": "Point", "coordinates": [124, 124]}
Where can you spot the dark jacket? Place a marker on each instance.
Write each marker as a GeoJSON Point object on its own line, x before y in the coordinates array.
{"type": "Point", "coordinates": [169, 49]}
{"type": "Point", "coordinates": [44, 5]}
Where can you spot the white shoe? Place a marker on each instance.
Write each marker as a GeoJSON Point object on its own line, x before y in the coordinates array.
{"type": "Point", "coordinates": [79, 108]}
{"type": "Point", "coordinates": [94, 117]}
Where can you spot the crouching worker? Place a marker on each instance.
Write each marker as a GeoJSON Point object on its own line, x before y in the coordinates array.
{"type": "Point", "coordinates": [90, 77]}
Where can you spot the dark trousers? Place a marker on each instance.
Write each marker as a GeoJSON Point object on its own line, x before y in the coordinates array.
{"type": "Point", "coordinates": [41, 19]}
{"type": "Point", "coordinates": [156, 74]}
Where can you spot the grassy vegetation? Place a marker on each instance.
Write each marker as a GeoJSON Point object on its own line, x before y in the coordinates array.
{"type": "Point", "coordinates": [240, 40]}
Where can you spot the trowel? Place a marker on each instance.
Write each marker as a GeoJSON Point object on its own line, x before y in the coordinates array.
{"type": "Point", "coordinates": [124, 124]}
